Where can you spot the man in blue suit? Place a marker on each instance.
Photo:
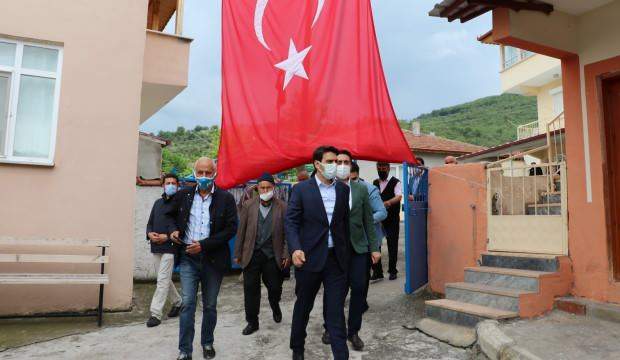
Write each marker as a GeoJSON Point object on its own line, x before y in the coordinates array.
{"type": "Point", "coordinates": [317, 231]}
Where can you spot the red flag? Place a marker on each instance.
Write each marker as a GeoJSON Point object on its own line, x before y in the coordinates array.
{"type": "Point", "coordinates": [297, 75]}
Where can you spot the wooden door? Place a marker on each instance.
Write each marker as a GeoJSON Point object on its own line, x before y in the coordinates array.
{"type": "Point", "coordinates": [611, 99]}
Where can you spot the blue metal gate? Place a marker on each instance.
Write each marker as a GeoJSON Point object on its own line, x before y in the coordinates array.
{"type": "Point", "coordinates": [415, 193]}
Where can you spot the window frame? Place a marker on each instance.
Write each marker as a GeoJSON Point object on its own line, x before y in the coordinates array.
{"type": "Point", "coordinates": [15, 73]}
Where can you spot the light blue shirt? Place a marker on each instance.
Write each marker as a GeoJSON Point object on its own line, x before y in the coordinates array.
{"type": "Point", "coordinates": [199, 227]}
{"type": "Point", "coordinates": [328, 194]}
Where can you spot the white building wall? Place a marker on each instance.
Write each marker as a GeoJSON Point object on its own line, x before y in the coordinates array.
{"type": "Point", "coordinates": [149, 159]}
{"type": "Point", "coordinates": [143, 261]}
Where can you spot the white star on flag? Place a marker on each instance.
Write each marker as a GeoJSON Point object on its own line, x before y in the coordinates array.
{"type": "Point", "coordinates": [293, 66]}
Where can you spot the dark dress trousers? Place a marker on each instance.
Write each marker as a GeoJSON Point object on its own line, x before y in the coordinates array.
{"type": "Point", "coordinates": [307, 229]}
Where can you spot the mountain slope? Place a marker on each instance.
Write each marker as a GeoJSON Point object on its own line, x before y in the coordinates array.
{"type": "Point", "coordinates": [487, 121]}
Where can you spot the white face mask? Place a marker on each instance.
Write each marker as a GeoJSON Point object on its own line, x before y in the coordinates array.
{"type": "Point", "coordinates": [267, 196]}
{"type": "Point", "coordinates": [329, 170]}
{"type": "Point", "coordinates": [343, 172]}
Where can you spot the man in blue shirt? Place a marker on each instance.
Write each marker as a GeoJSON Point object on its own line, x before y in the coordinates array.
{"type": "Point", "coordinates": [205, 219]}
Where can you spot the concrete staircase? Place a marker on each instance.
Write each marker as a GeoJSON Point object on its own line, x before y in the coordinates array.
{"type": "Point", "coordinates": [550, 203]}
{"type": "Point", "coordinates": [504, 286]}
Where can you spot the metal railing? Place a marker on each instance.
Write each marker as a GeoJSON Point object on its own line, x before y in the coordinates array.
{"type": "Point", "coordinates": [528, 130]}
{"type": "Point", "coordinates": [556, 151]}
{"type": "Point", "coordinates": [523, 189]}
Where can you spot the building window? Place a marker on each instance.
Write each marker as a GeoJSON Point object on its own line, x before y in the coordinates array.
{"type": "Point", "coordinates": [29, 93]}
{"type": "Point", "coordinates": [513, 56]}
{"type": "Point", "coordinates": [558, 101]}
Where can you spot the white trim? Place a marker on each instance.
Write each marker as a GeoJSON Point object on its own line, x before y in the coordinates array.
{"type": "Point", "coordinates": [16, 73]}
{"type": "Point", "coordinates": [586, 136]}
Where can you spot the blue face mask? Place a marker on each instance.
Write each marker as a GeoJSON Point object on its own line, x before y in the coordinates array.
{"type": "Point", "coordinates": [170, 189]}
{"type": "Point", "coordinates": [205, 183]}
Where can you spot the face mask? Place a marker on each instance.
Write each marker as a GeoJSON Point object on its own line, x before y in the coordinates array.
{"type": "Point", "coordinates": [204, 183]}
{"type": "Point", "coordinates": [343, 172]}
{"type": "Point", "coordinates": [383, 175]}
{"type": "Point", "coordinates": [267, 196]}
{"type": "Point", "coordinates": [329, 170]}
{"type": "Point", "coordinates": [170, 189]}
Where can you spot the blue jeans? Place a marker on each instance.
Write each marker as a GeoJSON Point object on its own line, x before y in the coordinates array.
{"type": "Point", "coordinates": [194, 271]}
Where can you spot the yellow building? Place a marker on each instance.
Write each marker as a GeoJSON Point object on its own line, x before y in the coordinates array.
{"type": "Point", "coordinates": [527, 73]}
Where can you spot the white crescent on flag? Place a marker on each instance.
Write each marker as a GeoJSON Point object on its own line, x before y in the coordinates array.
{"type": "Point", "coordinates": [259, 13]}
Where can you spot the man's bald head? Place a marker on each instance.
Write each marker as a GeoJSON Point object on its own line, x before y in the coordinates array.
{"type": "Point", "coordinates": [204, 167]}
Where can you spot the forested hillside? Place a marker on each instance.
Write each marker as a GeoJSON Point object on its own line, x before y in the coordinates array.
{"type": "Point", "coordinates": [488, 121]}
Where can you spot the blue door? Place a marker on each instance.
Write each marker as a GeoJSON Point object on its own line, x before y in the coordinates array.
{"type": "Point", "coordinates": [415, 192]}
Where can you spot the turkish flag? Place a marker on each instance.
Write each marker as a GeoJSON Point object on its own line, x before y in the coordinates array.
{"type": "Point", "coordinates": [297, 75]}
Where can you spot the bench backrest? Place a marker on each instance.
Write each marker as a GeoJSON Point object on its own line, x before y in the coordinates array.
{"type": "Point", "coordinates": [49, 258]}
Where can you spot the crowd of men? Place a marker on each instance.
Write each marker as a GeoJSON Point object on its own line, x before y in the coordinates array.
{"type": "Point", "coordinates": [330, 230]}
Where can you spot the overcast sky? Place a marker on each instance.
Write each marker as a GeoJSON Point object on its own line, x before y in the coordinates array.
{"type": "Point", "coordinates": [429, 63]}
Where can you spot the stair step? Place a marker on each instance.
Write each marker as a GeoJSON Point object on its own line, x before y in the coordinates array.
{"type": "Point", "coordinates": [551, 197]}
{"type": "Point", "coordinates": [488, 289]}
{"type": "Point", "coordinates": [485, 295]}
{"type": "Point", "coordinates": [512, 272]}
{"type": "Point", "coordinates": [544, 209]}
{"type": "Point", "coordinates": [504, 277]}
{"type": "Point", "coordinates": [451, 311]}
{"type": "Point", "coordinates": [520, 261]}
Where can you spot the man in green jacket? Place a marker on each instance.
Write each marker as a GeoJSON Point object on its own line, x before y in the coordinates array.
{"type": "Point", "coordinates": [364, 249]}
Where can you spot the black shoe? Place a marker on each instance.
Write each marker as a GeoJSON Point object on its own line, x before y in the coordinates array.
{"type": "Point", "coordinates": [277, 314]}
{"type": "Point", "coordinates": [358, 344]}
{"type": "Point", "coordinates": [184, 356]}
{"type": "Point", "coordinates": [250, 329]}
{"type": "Point", "coordinates": [174, 312]}
{"type": "Point", "coordinates": [298, 356]}
{"type": "Point", "coordinates": [393, 276]}
{"type": "Point", "coordinates": [376, 277]}
{"type": "Point", "coordinates": [325, 338]}
{"type": "Point", "coordinates": [153, 321]}
{"type": "Point", "coordinates": [208, 352]}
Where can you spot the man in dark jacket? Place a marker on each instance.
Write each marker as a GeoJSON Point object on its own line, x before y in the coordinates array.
{"type": "Point", "coordinates": [163, 251]}
{"type": "Point", "coordinates": [205, 220]}
{"type": "Point", "coordinates": [261, 251]}
{"type": "Point", "coordinates": [317, 232]}
{"type": "Point", "coordinates": [391, 194]}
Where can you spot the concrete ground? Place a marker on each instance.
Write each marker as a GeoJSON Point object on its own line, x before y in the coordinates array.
{"type": "Point", "coordinates": [126, 336]}
{"type": "Point", "coordinates": [564, 336]}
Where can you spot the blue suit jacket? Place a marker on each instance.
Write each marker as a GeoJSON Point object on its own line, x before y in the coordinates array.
{"type": "Point", "coordinates": [307, 228]}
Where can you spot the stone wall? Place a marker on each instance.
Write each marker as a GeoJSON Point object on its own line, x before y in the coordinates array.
{"type": "Point", "coordinates": [143, 261]}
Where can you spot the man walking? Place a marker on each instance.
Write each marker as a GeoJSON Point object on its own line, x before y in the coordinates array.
{"type": "Point", "coordinates": [317, 232]}
{"type": "Point", "coordinates": [391, 194]}
{"type": "Point", "coordinates": [163, 251]}
{"type": "Point", "coordinates": [364, 249]}
{"type": "Point", "coordinates": [261, 251]}
{"type": "Point", "coordinates": [206, 219]}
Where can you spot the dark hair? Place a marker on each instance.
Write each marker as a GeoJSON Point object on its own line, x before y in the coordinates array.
{"type": "Point", "coordinates": [169, 176]}
{"type": "Point", "coordinates": [383, 163]}
{"type": "Point", "coordinates": [346, 152]}
{"type": "Point", "coordinates": [317, 155]}
{"type": "Point", "coordinates": [420, 160]}
{"type": "Point", "coordinates": [355, 168]}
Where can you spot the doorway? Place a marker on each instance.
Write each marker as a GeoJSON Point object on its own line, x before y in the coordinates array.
{"type": "Point", "coordinates": [611, 104]}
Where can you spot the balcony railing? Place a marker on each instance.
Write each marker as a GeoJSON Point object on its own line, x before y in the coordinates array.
{"type": "Point", "coordinates": [528, 130]}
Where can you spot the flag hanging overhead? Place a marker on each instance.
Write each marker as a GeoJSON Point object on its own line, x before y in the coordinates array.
{"type": "Point", "coordinates": [297, 75]}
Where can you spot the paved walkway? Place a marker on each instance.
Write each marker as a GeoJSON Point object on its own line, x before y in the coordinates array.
{"type": "Point", "coordinates": [382, 331]}
{"type": "Point", "coordinates": [564, 336]}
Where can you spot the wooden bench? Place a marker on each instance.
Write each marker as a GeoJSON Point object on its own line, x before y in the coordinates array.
{"type": "Point", "coordinates": [100, 279]}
